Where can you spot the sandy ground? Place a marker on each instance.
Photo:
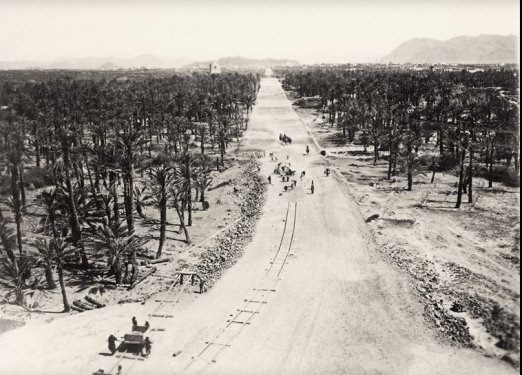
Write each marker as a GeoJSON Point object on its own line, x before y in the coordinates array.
{"type": "Point", "coordinates": [467, 256]}
{"type": "Point", "coordinates": [336, 306]}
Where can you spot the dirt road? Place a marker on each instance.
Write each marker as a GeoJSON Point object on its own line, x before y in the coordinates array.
{"type": "Point", "coordinates": [327, 304]}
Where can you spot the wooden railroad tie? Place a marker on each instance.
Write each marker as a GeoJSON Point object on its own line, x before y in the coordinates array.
{"type": "Point", "coordinates": [253, 301]}
{"type": "Point", "coordinates": [161, 316]}
{"type": "Point", "coordinates": [264, 290]}
{"type": "Point", "coordinates": [248, 311]}
{"type": "Point", "coordinates": [165, 277]}
{"type": "Point", "coordinates": [216, 343]}
{"type": "Point", "coordinates": [127, 357]}
{"type": "Point", "coordinates": [237, 321]}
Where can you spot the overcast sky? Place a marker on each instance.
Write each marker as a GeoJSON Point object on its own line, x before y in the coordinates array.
{"type": "Point", "coordinates": [309, 31]}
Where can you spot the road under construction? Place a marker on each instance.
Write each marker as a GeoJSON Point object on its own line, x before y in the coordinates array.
{"type": "Point", "coordinates": [310, 295]}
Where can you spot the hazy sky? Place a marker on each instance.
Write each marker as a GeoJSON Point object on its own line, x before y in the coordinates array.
{"type": "Point", "coordinates": [309, 31]}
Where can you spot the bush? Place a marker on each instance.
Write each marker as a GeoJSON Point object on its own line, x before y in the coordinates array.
{"type": "Point", "coordinates": [37, 177]}
{"type": "Point", "coordinates": [34, 178]}
{"type": "Point", "coordinates": [313, 103]}
{"type": "Point", "coordinates": [500, 174]}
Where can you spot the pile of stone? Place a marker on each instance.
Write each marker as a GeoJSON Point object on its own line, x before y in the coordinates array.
{"type": "Point", "coordinates": [453, 327]}
{"type": "Point", "coordinates": [90, 303]}
{"type": "Point", "coordinates": [229, 245]}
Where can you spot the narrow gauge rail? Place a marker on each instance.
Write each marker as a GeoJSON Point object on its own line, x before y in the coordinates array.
{"type": "Point", "coordinates": [256, 299]}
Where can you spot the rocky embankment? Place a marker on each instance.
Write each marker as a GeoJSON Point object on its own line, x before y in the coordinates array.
{"type": "Point", "coordinates": [229, 244]}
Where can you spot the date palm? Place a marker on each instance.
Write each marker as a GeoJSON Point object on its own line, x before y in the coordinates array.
{"type": "Point", "coordinates": [114, 244]}
{"type": "Point", "coordinates": [162, 175]}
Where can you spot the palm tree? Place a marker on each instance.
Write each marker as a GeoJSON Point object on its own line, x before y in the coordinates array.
{"type": "Point", "coordinates": [46, 257]}
{"type": "Point", "coordinates": [203, 179]}
{"type": "Point", "coordinates": [141, 199]}
{"type": "Point", "coordinates": [66, 139]}
{"type": "Point", "coordinates": [49, 200]}
{"type": "Point", "coordinates": [14, 274]}
{"type": "Point", "coordinates": [161, 177]}
{"type": "Point", "coordinates": [114, 243]}
{"type": "Point", "coordinates": [13, 151]}
{"type": "Point", "coordinates": [128, 141]}
{"type": "Point", "coordinates": [60, 250]}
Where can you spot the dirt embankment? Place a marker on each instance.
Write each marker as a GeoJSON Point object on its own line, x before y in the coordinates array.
{"type": "Point", "coordinates": [229, 244]}
{"type": "Point", "coordinates": [465, 262]}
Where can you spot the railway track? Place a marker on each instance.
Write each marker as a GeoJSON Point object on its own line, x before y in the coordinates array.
{"type": "Point", "coordinates": [242, 317]}
{"type": "Point", "coordinates": [162, 311]}
{"type": "Point", "coordinates": [255, 300]}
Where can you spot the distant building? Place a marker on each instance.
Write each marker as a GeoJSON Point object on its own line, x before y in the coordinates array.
{"type": "Point", "coordinates": [475, 70]}
{"type": "Point", "coordinates": [215, 68]}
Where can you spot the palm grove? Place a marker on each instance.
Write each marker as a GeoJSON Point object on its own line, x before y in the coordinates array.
{"type": "Point", "coordinates": [86, 156]}
{"type": "Point", "coordinates": [420, 121]}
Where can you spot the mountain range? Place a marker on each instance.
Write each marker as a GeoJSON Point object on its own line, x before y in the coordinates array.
{"type": "Point", "coordinates": [146, 60]}
{"type": "Point", "coordinates": [480, 49]}
{"type": "Point", "coordinates": [239, 61]}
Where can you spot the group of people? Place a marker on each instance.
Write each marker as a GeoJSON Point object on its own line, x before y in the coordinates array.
{"type": "Point", "coordinates": [286, 172]}
{"type": "Point", "coordinates": [147, 344]}
{"type": "Point", "coordinates": [285, 139]}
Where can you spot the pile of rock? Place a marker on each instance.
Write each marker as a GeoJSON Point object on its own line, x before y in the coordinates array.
{"type": "Point", "coordinates": [453, 327]}
{"type": "Point", "coordinates": [228, 246]}
{"type": "Point", "coordinates": [90, 303]}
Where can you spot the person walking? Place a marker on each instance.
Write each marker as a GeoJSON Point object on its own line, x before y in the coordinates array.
{"type": "Point", "coordinates": [307, 150]}
{"type": "Point", "coordinates": [134, 321]}
{"type": "Point", "coordinates": [312, 187]}
{"type": "Point", "coordinates": [270, 180]}
{"type": "Point", "coordinates": [302, 174]}
{"type": "Point", "coordinates": [147, 346]}
{"type": "Point", "coordinates": [112, 344]}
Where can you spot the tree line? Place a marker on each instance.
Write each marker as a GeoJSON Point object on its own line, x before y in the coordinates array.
{"type": "Point", "coordinates": [106, 149]}
{"type": "Point", "coordinates": [471, 118]}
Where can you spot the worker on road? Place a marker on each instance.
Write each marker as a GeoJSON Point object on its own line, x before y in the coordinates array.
{"type": "Point", "coordinates": [302, 174]}
{"type": "Point", "coordinates": [112, 344]}
{"type": "Point", "coordinates": [148, 346]}
{"type": "Point", "coordinates": [307, 150]}
{"type": "Point", "coordinates": [312, 187]}
{"type": "Point", "coordinates": [134, 321]}
{"type": "Point", "coordinates": [270, 180]}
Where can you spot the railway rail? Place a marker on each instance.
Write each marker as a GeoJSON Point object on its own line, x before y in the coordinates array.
{"type": "Point", "coordinates": [257, 297]}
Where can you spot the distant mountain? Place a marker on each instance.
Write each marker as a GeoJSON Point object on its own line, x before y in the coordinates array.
{"type": "Point", "coordinates": [481, 49]}
{"type": "Point", "coordinates": [5, 65]}
{"type": "Point", "coordinates": [238, 61]}
{"type": "Point", "coordinates": [141, 61]}
{"type": "Point", "coordinates": [109, 66]}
